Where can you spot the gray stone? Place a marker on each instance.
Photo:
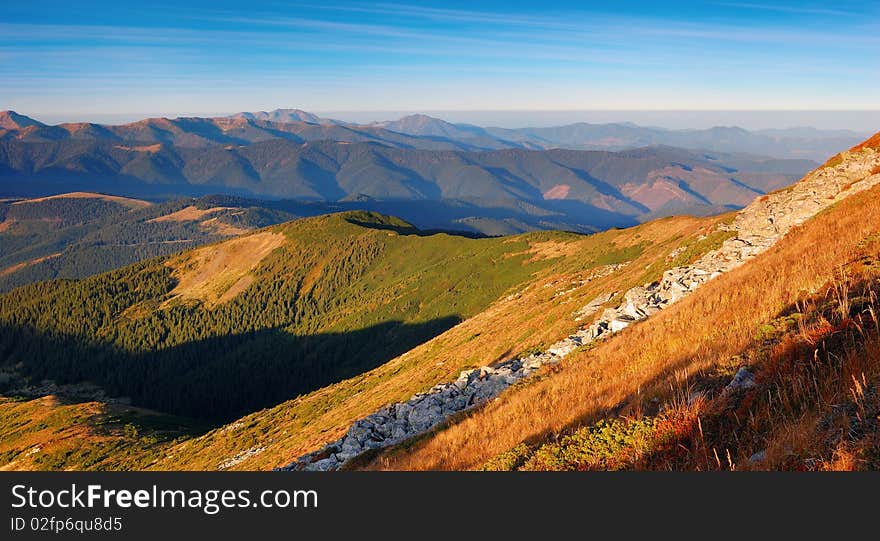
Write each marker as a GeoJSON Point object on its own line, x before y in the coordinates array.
{"type": "Point", "coordinates": [326, 464]}
{"type": "Point", "coordinates": [758, 457]}
{"type": "Point", "coordinates": [743, 379]}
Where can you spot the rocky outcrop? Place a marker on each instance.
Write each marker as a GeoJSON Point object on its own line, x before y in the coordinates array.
{"type": "Point", "coordinates": [756, 228]}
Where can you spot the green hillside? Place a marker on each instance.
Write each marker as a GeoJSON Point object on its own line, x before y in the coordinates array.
{"type": "Point", "coordinates": [313, 301]}
{"type": "Point", "coordinates": [530, 318]}
{"type": "Point", "coordinates": [82, 234]}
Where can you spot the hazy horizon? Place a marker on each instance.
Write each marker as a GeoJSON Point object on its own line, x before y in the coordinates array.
{"type": "Point", "coordinates": [864, 121]}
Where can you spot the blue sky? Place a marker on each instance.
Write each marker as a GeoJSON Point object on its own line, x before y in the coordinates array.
{"type": "Point", "coordinates": [79, 60]}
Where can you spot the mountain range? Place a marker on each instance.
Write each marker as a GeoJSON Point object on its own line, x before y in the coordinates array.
{"type": "Point", "coordinates": [443, 176]}
{"type": "Point", "coordinates": [420, 131]}
{"type": "Point", "coordinates": [808, 143]}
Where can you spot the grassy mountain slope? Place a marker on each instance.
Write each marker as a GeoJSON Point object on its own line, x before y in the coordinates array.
{"type": "Point", "coordinates": [532, 316]}
{"type": "Point", "coordinates": [75, 235]}
{"type": "Point", "coordinates": [318, 300]}
{"type": "Point", "coordinates": [52, 433]}
{"type": "Point", "coordinates": [431, 283]}
{"type": "Point", "coordinates": [651, 396]}
{"type": "Point", "coordinates": [801, 317]}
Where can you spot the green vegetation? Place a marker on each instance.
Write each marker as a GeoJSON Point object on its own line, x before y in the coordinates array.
{"type": "Point", "coordinates": [509, 460]}
{"type": "Point", "coordinates": [45, 434]}
{"type": "Point", "coordinates": [688, 253]}
{"type": "Point", "coordinates": [598, 446]}
{"type": "Point", "coordinates": [77, 237]}
{"type": "Point", "coordinates": [335, 300]}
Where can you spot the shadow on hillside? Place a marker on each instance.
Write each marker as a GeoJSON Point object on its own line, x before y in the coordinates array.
{"type": "Point", "coordinates": [220, 378]}
{"type": "Point", "coordinates": [452, 216]}
{"type": "Point", "coordinates": [414, 231]}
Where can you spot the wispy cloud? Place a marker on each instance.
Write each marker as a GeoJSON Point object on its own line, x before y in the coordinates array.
{"type": "Point", "coordinates": [450, 15]}
{"type": "Point", "coordinates": [786, 8]}
{"type": "Point", "coordinates": [545, 54]}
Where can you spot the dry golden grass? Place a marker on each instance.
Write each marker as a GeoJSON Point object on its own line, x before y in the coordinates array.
{"type": "Point", "coordinates": [209, 274]}
{"type": "Point", "coordinates": [222, 228]}
{"type": "Point", "coordinates": [186, 214]}
{"type": "Point", "coordinates": [873, 142]}
{"type": "Point", "coordinates": [193, 214]}
{"type": "Point", "coordinates": [659, 358]}
{"type": "Point", "coordinates": [548, 249]}
{"type": "Point", "coordinates": [23, 264]}
{"type": "Point", "coordinates": [150, 149]}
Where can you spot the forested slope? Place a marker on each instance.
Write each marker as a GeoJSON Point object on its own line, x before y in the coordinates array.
{"type": "Point", "coordinates": [228, 328]}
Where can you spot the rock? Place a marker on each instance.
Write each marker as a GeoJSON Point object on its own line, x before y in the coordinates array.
{"type": "Point", "coordinates": [457, 404]}
{"type": "Point", "coordinates": [620, 323]}
{"type": "Point", "coordinates": [563, 348]}
{"type": "Point", "coordinates": [383, 430]}
{"type": "Point", "coordinates": [403, 411]}
{"type": "Point", "coordinates": [374, 444]}
{"type": "Point", "coordinates": [359, 432]}
{"type": "Point", "coordinates": [326, 464]}
{"type": "Point", "coordinates": [533, 362]}
{"type": "Point", "coordinates": [758, 457]}
{"type": "Point", "coordinates": [741, 381]}
{"type": "Point", "coordinates": [399, 432]}
{"type": "Point", "coordinates": [593, 306]}
{"type": "Point", "coordinates": [423, 418]}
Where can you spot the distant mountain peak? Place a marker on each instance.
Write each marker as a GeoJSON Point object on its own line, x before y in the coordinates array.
{"type": "Point", "coordinates": [285, 116]}
{"type": "Point", "coordinates": [10, 120]}
{"type": "Point", "coordinates": [424, 125]}
{"type": "Point", "coordinates": [422, 116]}
{"type": "Point", "coordinates": [421, 119]}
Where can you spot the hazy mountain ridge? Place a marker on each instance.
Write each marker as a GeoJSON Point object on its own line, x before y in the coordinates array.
{"type": "Point", "coordinates": [240, 129]}
{"type": "Point", "coordinates": [592, 189]}
{"type": "Point", "coordinates": [797, 142]}
{"type": "Point", "coordinates": [425, 132]}
{"type": "Point", "coordinates": [285, 116]}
